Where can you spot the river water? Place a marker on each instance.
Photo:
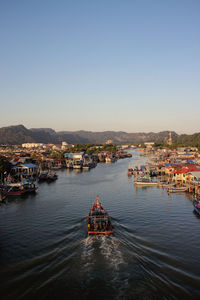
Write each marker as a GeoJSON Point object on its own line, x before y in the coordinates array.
{"type": "Point", "coordinates": [45, 252]}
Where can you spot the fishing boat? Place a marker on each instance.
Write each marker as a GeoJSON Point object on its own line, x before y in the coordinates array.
{"type": "Point", "coordinates": [30, 187]}
{"type": "Point", "coordinates": [43, 175]}
{"type": "Point", "coordinates": [3, 193]}
{"type": "Point", "coordinates": [99, 221]}
{"type": "Point", "coordinates": [20, 188]}
{"type": "Point", "coordinates": [145, 181]}
{"type": "Point", "coordinates": [86, 166]}
{"type": "Point", "coordinates": [177, 190]}
{"type": "Point", "coordinates": [47, 176]}
{"type": "Point", "coordinates": [15, 189]}
{"type": "Point", "coordinates": [130, 171]}
{"type": "Point", "coordinates": [196, 205]}
{"type": "Point", "coordinates": [52, 176]}
{"type": "Point", "coordinates": [77, 164]}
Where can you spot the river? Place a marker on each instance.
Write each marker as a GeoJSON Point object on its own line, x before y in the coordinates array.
{"type": "Point", "coordinates": [45, 252]}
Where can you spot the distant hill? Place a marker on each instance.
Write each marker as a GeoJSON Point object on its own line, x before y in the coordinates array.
{"type": "Point", "coordinates": [120, 136]}
{"type": "Point", "coordinates": [15, 135]}
{"type": "Point", "coordinates": [19, 134]}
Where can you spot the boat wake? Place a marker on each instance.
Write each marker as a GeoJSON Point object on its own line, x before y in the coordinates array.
{"type": "Point", "coordinates": [105, 248]}
{"type": "Point", "coordinates": [87, 255]}
{"type": "Point", "coordinates": [110, 249]}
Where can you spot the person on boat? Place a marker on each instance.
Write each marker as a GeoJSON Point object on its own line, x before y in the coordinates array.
{"type": "Point", "coordinates": [88, 226]}
{"type": "Point", "coordinates": [95, 227]}
{"type": "Point", "coordinates": [100, 227]}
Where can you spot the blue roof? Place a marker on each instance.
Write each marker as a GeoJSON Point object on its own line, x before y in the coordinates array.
{"type": "Point", "coordinates": [174, 163]}
{"type": "Point", "coordinates": [29, 165]}
{"type": "Point", "coordinates": [190, 162]}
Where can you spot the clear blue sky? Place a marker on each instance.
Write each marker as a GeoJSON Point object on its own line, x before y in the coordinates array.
{"type": "Point", "coordinates": [131, 65]}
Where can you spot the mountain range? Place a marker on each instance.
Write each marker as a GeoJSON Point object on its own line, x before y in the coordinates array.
{"type": "Point", "coordinates": [19, 134]}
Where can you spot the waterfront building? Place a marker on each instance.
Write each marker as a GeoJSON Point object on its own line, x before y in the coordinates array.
{"type": "Point", "coordinates": [28, 169]}
{"type": "Point", "coordinates": [72, 156]}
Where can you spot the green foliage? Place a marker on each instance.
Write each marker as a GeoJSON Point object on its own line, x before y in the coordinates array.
{"type": "Point", "coordinates": [91, 148]}
{"type": "Point", "coordinates": [55, 154]}
{"type": "Point", "coordinates": [109, 147]}
{"type": "Point", "coordinates": [189, 140]}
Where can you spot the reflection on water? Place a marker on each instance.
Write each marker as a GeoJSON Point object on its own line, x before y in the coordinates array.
{"type": "Point", "coordinates": [45, 252]}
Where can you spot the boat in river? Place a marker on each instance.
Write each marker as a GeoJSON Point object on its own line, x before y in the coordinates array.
{"type": "Point", "coordinates": [196, 205]}
{"type": "Point", "coordinates": [145, 181]}
{"type": "Point", "coordinates": [20, 188]}
{"type": "Point", "coordinates": [47, 176]}
{"type": "Point", "coordinates": [43, 175]}
{"type": "Point", "coordinates": [177, 190]}
{"type": "Point", "coordinates": [3, 193]}
{"type": "Point", "coordinates": [52, 177]}
{"type": "Point", "coordinates": [130, 171]}
{"type": "Point", "coordinates": [99, 221]}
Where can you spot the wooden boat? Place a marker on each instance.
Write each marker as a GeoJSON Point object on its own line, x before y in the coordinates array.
{"type": "Point", "coordinates": [20, 188]}
{"type": "Point", "coordinates": [47, 176]}
{"type": "Point", "coordinates": [30, 187]}
{"type": "Point", "coordinates": [3, 193]}
{"type": "Point", "coordinates": [177, 190]}
{"type": "Point", "coordinates": [130, 171]}
{"type": "Point", "coordinates": [99, 221]}
{"type": "Point", "coordinates": [52, 177]}
{"type": "Point", "coordinates": [145, 181]}
{"type": "Point", "coordinates": [77, 164]}
{"type": "Point", "coordinates": [43, 176]}
{"type": "Point", "coordinates": [15, 189]}
{"type": "Point", "coordinates": [86, 166]}
{"type": "Point", "coordinates": [196, 205]}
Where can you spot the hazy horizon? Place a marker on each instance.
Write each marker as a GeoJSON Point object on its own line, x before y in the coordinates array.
{"type": "Point", "coordinates": [113, 65]}
{"type": "Point", "coordinates": [60, 130]}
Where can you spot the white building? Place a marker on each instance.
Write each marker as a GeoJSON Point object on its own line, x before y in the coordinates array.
{"type": "Point", "coordinates": [149, 144]}
{"type": "Point", "coordinates": [109, 142]}
{"type": "Point", "coordinates": [64, 145]}
{"type": "Point", "coordinates": [33, 145]}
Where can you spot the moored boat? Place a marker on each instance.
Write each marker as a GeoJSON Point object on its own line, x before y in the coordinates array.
{"type": "Point", "coordinates": [20, 188]}
{"type": "Point", "coordinates": [3, 193]}
{"type": "Point", "coordinates": [43, 176]}
{"type": "Point", "coordinates": [47, 176]}
{"type": "Point", "coordinates": [145, 181]}
{"type": "Point", "coordinates": [196, 205]}
{"type": "Point", "coordinates": [77, 164]}
{"type": "Point", "coordinates": [177, 190]}
{"type": "Point", "coordinates": [30, 187]}
{"type": "Point", "coordinates": [99, 221]}
{"type": "Point", "coordinates": [52, 177]}
{"type": "Point", "coordinates": [130, 171]}
{"type": "Point", "coordinates": [86, 166]}
{"type": "Point", "coordinates": [15, 189]}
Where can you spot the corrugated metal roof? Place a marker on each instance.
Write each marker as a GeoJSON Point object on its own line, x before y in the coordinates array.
{"type": "Point", "coordinates": [29, 165]}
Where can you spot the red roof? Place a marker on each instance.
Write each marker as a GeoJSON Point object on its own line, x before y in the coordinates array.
{"type": "Point", "coordinates": [186, 169]}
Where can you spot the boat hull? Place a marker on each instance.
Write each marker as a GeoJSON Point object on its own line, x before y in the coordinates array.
{"type": "Point", "coordinates": [100, 232]}
{"type": "Point", "coordinates": [16, 193]}
{"type": "Point", "coordinates": [197, 210]}
{"type": "Point", "coordinates": [196, 205]}
{"type": "Point", "coordinates": [177, 190]}
{"type": "Point", "coordinates": [146, 183]}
